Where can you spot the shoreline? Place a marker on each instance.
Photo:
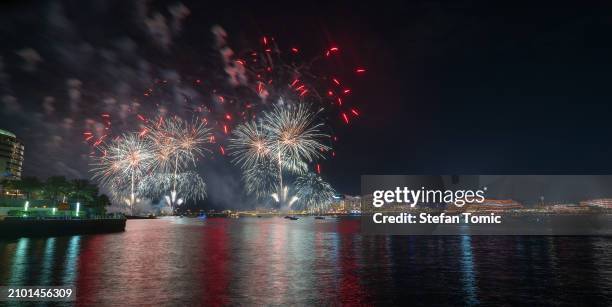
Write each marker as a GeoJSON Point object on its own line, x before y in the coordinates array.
{"type": "Point", "coordinates": [28, 227]}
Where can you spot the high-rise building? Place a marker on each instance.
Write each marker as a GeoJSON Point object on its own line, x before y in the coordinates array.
{"type": "Point", "coordinates": [11, 156]}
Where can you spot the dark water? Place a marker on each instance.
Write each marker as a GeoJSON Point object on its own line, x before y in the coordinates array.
{"type": "Point", "coordinates": [273, 261]}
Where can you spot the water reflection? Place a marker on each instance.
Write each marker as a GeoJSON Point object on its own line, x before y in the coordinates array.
{"type": "Point", "coordinates": [72, 258]}
{"type": "Point", "coordinates": [216, 275]}
{"type": "Point", "coordinates": [19, 266]}
{"type": "Point", "coordinates": [273, 261]}
{"type": "Point", "coordinates": [46, 271]}
{"type": "Point", "coordinates": [467, 268]}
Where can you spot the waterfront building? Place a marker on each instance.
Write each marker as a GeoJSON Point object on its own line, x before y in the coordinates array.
{"type": "Point", "coordinates": [605, 203]}
{"type": "Point", "coordinates": [346, 204]}
{"type": "Point", "coordinates": [11, 156]}
{"type": "Point", "coordinates": [490, 205]}
{"type": "Point", "coordinates": [562, 207]}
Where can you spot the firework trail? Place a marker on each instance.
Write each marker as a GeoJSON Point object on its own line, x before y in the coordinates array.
{"type": "Point", "coordinates": [276, 111]}
{"type": "Point", "coordinates": [251, 81]}
{"type": "Point", "coordinates": [284, 197]}
{"type": "Point", "coordinates": [271, 72]}
{"type": "Point", "coordinates": [295, 138]}
{"type": "Point", "coordinates": [126, 160]}
{"type": "Point", "coordinates": [266, 77]}
{"type": "Point", "coordinates": [189, 183]}
{"type": "Point", "coordinates": [288, 137]}
{"type": "Point", "coordinates": [152, 164]}
{"type": "Point", "coordinates": [249, 145]}
{"type": "Point", "coordinates": [177, 144]}
{"type": "Point", "coordinates": [294, 135]}
{"type": "Point", "coordinates": [289, 131]}
{"type": "Point", "coordinates": [261, 179]}
{"type": "Point", "coordinates": [314, 193]}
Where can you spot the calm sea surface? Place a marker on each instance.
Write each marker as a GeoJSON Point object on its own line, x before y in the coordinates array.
{"type": "Point", "coordinates": [273, 261]}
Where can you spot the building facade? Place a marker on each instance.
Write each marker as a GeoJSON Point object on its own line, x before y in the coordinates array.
{"type": "Point", "coordinates": [346, 204]}
{"type": "Point", "coordinates": [605, 203]}
{"type": "Point", "coordinates": [11, 156]}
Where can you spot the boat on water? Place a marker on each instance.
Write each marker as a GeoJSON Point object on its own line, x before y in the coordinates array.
{"type": "Point", "coordinates": [293, 218]}
{"type": "Point", "coordinates": [319, 217]}
{"type": "Point", "coordinates": [15, 227]}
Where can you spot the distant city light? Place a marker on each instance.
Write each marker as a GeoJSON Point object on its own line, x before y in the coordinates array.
{"type": "Point", "coordinates": [78, 208]}
{"type": "Point", "coordinates": [54, 210]}
{"type": "Point", "coordinates": [26, 206]}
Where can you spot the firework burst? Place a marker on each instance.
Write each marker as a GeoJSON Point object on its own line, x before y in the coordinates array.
{"type": "Point", "coordinates": [249, 145]}
{"type": "Point", "coordinates": [275, 102]}
{"type": "Point", "coordinates": [314, 193]}
{"type": "Point", "coordinates": [177, 143]}
{"type": "Point", "coordinates": [287, 138]}
{"type": "Point", "coordinates": [126, 160]}
{"type": "Point", "coordinates": [261, 179]}
{"type": "Point", "coordinates": [189, 183]}
{"type": "Point", "coordinates": [295, 135]}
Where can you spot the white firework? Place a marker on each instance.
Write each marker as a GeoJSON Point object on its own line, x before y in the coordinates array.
{"type": "Point", "coordinates": [286, 139]}
{"type": "Point", "coordinates": [249, 145]}
{"type": "Point", "coordinates": [125, 161]}
{"type": "Point", "coordinates": [294, 136]}
{"type": "Point", "coordinates": [261, 179]}
{"type": "Point", "coordinates": [177, 143]}
{"type": "Point", "coordinates": [314, 193]}
{"type": "Point", "coordinates": [189, 183]}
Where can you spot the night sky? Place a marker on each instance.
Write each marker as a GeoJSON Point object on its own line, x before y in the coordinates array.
{"type": "Point", "coordinates": [468, 87]}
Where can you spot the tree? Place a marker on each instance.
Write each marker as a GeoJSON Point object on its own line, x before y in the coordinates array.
{"type": "Point", "coordinates": [55, 189]}
{"type": "Point", "coordinates": [10, 185]}
{"type": "Point", "coordinates": [81, 190]}
{"type": "Point", "coordinates": [29, 186]}
{"type": "Point", "coordinates": [100, 203]}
